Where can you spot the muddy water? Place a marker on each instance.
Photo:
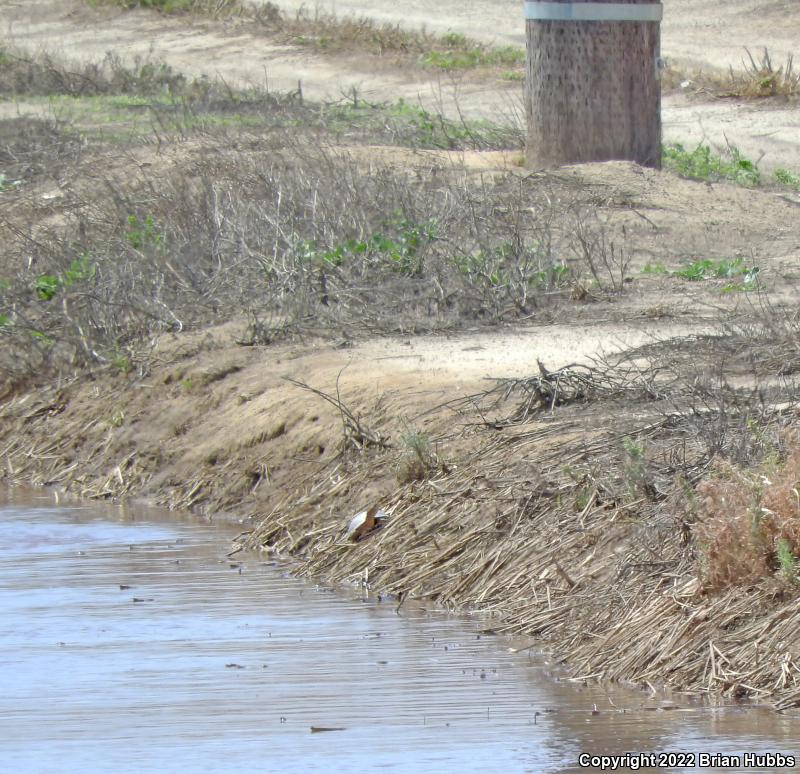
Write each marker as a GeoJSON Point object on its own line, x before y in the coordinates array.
{"type": "Point", "coordinates": [130, 643]}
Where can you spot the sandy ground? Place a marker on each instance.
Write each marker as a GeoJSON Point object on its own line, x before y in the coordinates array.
{"type": "Point", "coordinates": [696, 34]}
{"type": "Point", "coordinates": [703, 32]}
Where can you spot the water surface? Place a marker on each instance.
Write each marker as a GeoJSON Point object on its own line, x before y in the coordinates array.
{"type": "Point", "coordinates": [129, 642]}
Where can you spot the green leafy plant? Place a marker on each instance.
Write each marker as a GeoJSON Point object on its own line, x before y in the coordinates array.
{"type": "Point", "coordinates": [399, 250]}
{"type": "Point", "coordinates": [787, 178]}
{"type": "Point", "coordinates": [557, 276]}
{"type": "Point", "coordinates": [43, 338]}
{"type": "Point", "coordinates": [503, 266]}
{"type": "Point", "coordinates": [142, 234]}
{"type": "Point", "coordinates": [702, 164]}
{"type": "Point", "coordinates": [466, 57]}
{"type": "Point", "coordinates": [121, 362]}
{"type": "Point", "coordinates": [46, 286]}
{"type": "Point", "coordinates": [81, 269]}
{"type": "Point", "coordinates": [705, 268]}
{"type": "Point", "coordinates": [786, 560]}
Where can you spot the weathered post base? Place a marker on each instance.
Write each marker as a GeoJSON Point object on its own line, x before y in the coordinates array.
{"type": "Point", "coordinates": [593, 89]}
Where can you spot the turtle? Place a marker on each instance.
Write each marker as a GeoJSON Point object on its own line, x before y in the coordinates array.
{"type": "Point", "coordinates": [365, 522]}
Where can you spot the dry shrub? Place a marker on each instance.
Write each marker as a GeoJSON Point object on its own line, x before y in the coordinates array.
{"type": "Point", "coordinates": [34, 146]}
{"type": "Point", "coordinates": [743, 518]}
{"type": "Point", "coordinates": [299, 235]}
{"type": "Point", "coordinates": [757, 79]}
{"type": "Point", "coordinates": [733, 552]}
{"type": "Point", "coordinates": [780, 503]}
{"type": "Point", "coordinates": [762, 79]}
{"type": "Point", "coordinates": [419, 461]}
{"type": "Point", "coordinates": [41, 74]}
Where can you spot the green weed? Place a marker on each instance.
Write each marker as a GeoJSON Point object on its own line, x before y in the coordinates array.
{"type": "Point", "coordinates": [419, 461]}
{"type": "Point", "coordinates": [143, 234]}
{"type": "Point", "coordinates": [454, 39]}
{"type": "Point", "coordinates": [42, 338]}
{"type": "Point", "coordinates": [634, 466]}
{"type": "Point", "coordinates": [504, 267]}
{"type": "Point", "coordinates": [47, 286]}
{"type": "Point", "coordinates": [705, 269]}
{"type": "Point", "coordinates": [786, 560]}
{"type": "Point", "coordinates": [121, 362]}
{"type": "Point", "coordinates": [468, 54]}
{"type": "Point", "coordinates": [398, 251]}
{"type": "Point", "coordinates": [5, 183]}
{"type": "Point", "coordinates": [787, 178]}
{"type": "Point", "coordinates": [702, 164]}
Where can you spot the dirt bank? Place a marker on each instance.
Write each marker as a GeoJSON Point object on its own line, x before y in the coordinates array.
{"type": "Point", "coordinates": [537, 518]}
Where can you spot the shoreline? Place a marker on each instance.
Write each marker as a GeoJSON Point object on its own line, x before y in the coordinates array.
{"type": "Point", "coordinates": [450, 538]}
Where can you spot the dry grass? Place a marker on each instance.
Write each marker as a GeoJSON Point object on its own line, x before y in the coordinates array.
{"type": "Point", "coordinates": [733, 550]}
{"type": "Point", "coordinates": [574, 545]}
{"type": "Point", "coordinates": [214, 8]}
{"type": "Point", "coordinates": [41, 74]}
{"type": "Point", "coordinates": [347, 35]}
{"type": "Point", "coordinates": [758, 78]}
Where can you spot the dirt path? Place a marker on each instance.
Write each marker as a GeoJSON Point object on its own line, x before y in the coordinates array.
{"type": "Point", "coordinates": [707, 32]}
{"type": "Point", "coordinates": [701, 33]}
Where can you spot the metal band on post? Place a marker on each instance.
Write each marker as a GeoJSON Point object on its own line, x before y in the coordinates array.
{"type": "Point", "coordinates": [612, 12]}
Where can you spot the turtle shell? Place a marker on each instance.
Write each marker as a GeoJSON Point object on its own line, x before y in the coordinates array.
{"type": "Point", "coordinates": [365, 522]}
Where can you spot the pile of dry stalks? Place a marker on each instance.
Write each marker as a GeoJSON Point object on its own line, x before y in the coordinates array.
{"type": "Point", "coordinates": [580, 532]}
{"type": "Point", "coordinates": [572, 517]}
